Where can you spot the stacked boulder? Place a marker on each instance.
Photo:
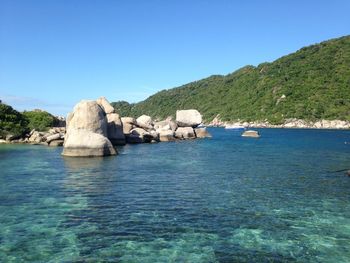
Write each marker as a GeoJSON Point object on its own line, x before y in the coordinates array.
{"type": "Point", "coordinates": [54, 137]}
{"type": "Point", "coordinates": [92, 129]}
{"type": "Point", "coordinates": [145, 130]}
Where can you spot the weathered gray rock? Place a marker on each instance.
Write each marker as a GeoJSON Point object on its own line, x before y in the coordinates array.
{"type": "Point", "coordinates": [115, 129]}
{"type": "Point", "coordinates": [188, 118]}
{"type": "Point", "coordinates": [173, 125]}
{"type": "Point", "coordinates": [130, 120]}
{"type": "Point", "coordinates": [144, 122]}
{"type": "Point", "coordinates": [166, 136]}
{"type": "Point", "coordinates": [87, 131]}
{"type": "Point", "coordinates": [161, 125]}
{"type": "Point", "coordinates": [85, 143]}
{"type": "Point", "coordinates": [36, 137]}
{"type": "Point", "coordinates": [103, 102]}
{"type": "Point", "coordinates": [56, 143]}
{"type": "Point", "coordinates": [128, 124]}
{"type": "Point", "coordinates": [53, 137]}
{"type": "Point", "coordinates": [3, 141]}
{"type": "Point", "coordinates": [251, 133]}
{"type": "Point", "coordinates": [144, 135]}
{"type": "Point", "coordinates": [165, 125]}
{"type": "Point", "coordinates": [88, 115]}
{"type": "Point", "coordinates": [185, 133]}
{"type": "Point", "coordinates": [202, 133]}
{"type": "Point", "coordinates": [69, 117]}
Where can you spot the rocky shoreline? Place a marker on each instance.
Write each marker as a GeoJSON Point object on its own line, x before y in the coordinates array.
{"type": "Point", "coordinates": [94, 128]}
{"type": "Point", "coordinates": [123, 130]}
{"type": "Point", "coordinates": [53, 137]}
{"type": "Point", "coordinates": [288, 124]}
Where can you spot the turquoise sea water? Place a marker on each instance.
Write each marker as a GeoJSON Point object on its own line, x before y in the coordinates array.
{"type": "Point", "coordinates": [225, 199]}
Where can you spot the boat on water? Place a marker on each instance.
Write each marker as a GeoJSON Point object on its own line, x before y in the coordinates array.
{"type": "Point", "coordinates": [235, 127]}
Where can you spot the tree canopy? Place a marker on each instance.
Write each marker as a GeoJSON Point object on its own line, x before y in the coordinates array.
{"type": "Point", "coordinates": [312, 83]}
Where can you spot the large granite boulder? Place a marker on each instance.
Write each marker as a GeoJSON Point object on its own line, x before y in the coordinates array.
{"type": "Point", "coordinates": [103, 102]}
{"type": "Point", "coordinates": [143, 135]}
{"type": "Point", "coordinates": [87, 131]}
{"type": "Point", "coordinates": [167, 124]}
{"type": "Point", "coordinates": [185, 133]}
{"type": "Point", "coordinates": [161, 125]}
{"type": "Point", "coordinates": [35, 137]}
{"type": "Point", "coordinates": [128, 124]}
{"type": "Point", "coordinates": [87, 144]}
{"type": "Point", "coordinates": [188, 118]}
{"type": "Point", "coordinates": [166, 136]}
{"type": "Point", "coordinates": [115, 129]}
{"type": "Point", "coordinates": [144, 122]}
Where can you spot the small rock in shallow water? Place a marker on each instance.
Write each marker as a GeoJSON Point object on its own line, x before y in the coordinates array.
{"type": "Point", "coordinates": [348, 173]}
{"type": "Point", "coordinates": [251, 133]}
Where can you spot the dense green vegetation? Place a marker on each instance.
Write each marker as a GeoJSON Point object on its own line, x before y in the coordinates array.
{"type": "Point", "coordinates": [15, 123]}
{"type": "Point", "coordinates": [11, 121]}
{"type": "Point", "coordinates": [315, 82]}
{"type": "Point", "coordinates": [39, 120]}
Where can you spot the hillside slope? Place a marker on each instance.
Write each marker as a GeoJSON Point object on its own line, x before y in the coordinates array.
{"type": "Point", "coordinates": [312, 83]}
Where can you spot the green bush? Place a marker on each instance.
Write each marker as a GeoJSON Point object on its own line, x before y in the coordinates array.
{"type": "Point", "coordinates": [39, 120]}
{"type": "Point", "coordinates": [315, 81]}
{"type": "Point", "coordinates": [11, 121]}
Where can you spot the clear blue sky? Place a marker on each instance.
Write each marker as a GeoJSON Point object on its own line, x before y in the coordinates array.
{"type": "Point", "coordinates": [54, 53]}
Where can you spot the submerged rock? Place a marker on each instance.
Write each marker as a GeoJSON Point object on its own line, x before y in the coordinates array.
{"type": "Point", "coordinates": [251, 133]}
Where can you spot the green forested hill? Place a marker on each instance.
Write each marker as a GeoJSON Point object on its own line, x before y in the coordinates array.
{"type": "Point", "coordinates": [312, 83]}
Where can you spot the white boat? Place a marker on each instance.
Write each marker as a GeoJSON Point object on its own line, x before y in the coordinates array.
{"type": "Point", "coordinates": [235, 127]}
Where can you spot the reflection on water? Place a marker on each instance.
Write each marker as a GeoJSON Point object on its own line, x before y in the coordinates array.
{"type": "Point", "coordinates": [228, 199]}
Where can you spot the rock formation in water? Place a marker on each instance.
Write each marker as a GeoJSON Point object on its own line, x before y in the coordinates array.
{"type": "Point", "coordinates": [145, 130]}
{"type": "Point", "coordinates": [87, 128]}
{"type": "Point", "coordinates": [251, 133]}
{"type": "Point", "coordinates": [188, 118]}
{"type": "Point", "coordinates": [93, 128]}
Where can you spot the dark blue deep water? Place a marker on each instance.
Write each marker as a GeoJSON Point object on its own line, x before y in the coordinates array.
{"type": "Point", "coordinates": [226, 199]}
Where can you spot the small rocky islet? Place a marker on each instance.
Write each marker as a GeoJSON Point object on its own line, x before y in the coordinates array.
{"type": "Point", "coordinates": [93, 128]}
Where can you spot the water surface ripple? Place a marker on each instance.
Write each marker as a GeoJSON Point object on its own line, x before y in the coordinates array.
{"type": "Point", "coordinates": [225, 199]}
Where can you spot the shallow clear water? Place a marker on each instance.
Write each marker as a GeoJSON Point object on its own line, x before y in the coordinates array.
{"type": "Point", "coordinates": [225, 199]}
